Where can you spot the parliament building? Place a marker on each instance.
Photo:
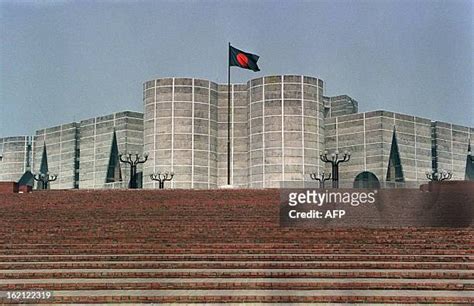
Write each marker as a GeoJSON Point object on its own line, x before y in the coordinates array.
{"type": "Point", "coordinates": [280, 125]}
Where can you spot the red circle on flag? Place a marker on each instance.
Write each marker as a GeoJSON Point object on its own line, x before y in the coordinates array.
{"type": "Point", "coordinates": [243, 60]}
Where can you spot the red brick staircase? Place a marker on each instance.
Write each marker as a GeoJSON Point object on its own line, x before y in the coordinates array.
{"type": "Point", "coordinates": [216, 246]}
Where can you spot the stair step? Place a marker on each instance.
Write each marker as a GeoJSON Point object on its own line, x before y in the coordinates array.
{"type": "Point", "coordinates": [288, 295]}
{"type": "Point", "coordinates": [237, 273]}
{"type": "Point", "coordinates": [234, 283]}
{"type": "Point", "coordinates": [236, 264]}
{"type": "Point", "coordinates": [233, 257]}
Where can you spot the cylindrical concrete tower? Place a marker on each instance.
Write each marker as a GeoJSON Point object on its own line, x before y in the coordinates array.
{"type": "Point", "coordinates": [286, 129]}
{"type": "Point", "coordinates": [180, 132]}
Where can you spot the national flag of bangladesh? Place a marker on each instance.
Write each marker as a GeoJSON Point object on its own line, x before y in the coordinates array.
{"type": "Point", "coordinates": [243, 59]}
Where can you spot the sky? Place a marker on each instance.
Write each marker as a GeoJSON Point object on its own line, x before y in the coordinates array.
{"type": "Point", "coordinates": [64, 61]}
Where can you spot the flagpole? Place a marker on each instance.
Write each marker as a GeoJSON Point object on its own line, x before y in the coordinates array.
{"type": "Point", "coordinates": [228, 116]}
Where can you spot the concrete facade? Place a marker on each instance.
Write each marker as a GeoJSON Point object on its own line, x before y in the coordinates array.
{"type": "Point", "coordinates": [369, 137]}
{"type": "Point", "coordinates": [15, 157]}
{"type": "Point", "coordinates": [280, 125]}
{"type": "Point", "coordinates": [286, 129]}
{"type": "Point", "coordinates": [277, 128]}
{"type": "Point", "coordinates": [80, 153]}
{"type": "Point", "coordinates": [239, 135]}
{"type": "Point", "coordinates": [96, 139]}
{"type": "Point", "coordinates": [451, 145]}
{"type": "Point", "coordinates": [62, 153]}
{"type": "Point", "coordinates": [340, 106]}
{"type": "Point", "coordinates": [180, 131]}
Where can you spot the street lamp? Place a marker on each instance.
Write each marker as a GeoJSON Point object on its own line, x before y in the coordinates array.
{"type": "Point", "coordinates": [133, 160]}
{"type": "Point", "coordinates": [44, 179]}
{"type": "Point", "coordinates": [321, 178]}
{"type": "Point", "coordinates": [334, 160]}
{"type": "Point", "coordinates": [439, 176]}
{"type": "Point", "coordinates": [162, 178]}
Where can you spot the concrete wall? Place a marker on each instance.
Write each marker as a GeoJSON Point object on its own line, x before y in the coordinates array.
{"type": "Point", "coordinates": [180, 131]}
{"type": "Point", "coordinates": [340, 106]}
{"type": "Point", "coordinates": [414, 143]}
{"type": "Point", "coordinates": [276, 126]}
{"type": "Point", "coordinates": [61, 147]}
{"type": "Point", "coordinates": [96, 135]}
{"type": "Point", "coordinates": [451, 147]}
{"type": "Point", "coordinates": [286, 129]}
{"type": "Point", "coordinates": [369, 137]}
{"type": "Point", "coordinates": [279, 126]}
{"type": "Point", "coordinates": [361, 134]}
{"type": "Point", "coordinates": [239, 132]}
{"type": "Point", "coordinates": [14, 157]}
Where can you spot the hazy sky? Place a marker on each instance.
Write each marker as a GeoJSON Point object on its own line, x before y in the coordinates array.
{"type": "Point", "coordinates": [62, 61]}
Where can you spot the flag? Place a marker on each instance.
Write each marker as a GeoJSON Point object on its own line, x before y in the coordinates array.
{"type": "Point", "coordinates": [243, 59]}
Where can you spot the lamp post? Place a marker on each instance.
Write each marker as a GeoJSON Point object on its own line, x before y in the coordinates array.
{"type": "Point", "coordinates": [335, 160]}
{"type": "Point", "coordinates": [133, 160]}
{"type": "Point", "coordinates": [45, 178]}
{"type": "Point", "coordinates": [162, 178]}
{"type": "Point", "coordinates": [321, 178]}
{"type": "Point", "coordinates": [439, 176]}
